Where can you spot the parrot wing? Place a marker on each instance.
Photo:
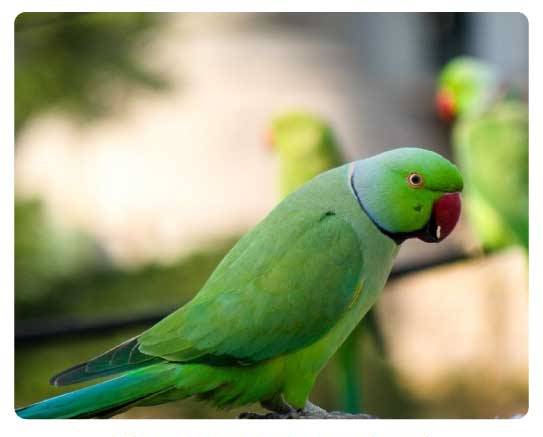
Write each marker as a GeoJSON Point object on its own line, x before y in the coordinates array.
{"type": "Point", "coordinates": [280, 288]}
{"type": "Point", "coordinates": [283, 286]}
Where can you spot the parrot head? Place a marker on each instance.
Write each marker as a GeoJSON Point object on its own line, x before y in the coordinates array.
{"type": "Point", "coordinates": [299, 135]}
{"type": "Point", "coordinates": [465, 85]}
{"type": "Point", "coordinates": [409, 193]}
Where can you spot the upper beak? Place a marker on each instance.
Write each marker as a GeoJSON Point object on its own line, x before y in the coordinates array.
{"type": "Point", "coordinates": [445, 215]}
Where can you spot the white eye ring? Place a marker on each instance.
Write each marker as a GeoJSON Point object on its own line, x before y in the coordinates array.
{"type": "Point", "coordinates": [415, 180]}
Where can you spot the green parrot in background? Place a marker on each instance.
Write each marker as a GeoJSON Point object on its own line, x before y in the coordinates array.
{"type": "Point", "coordinates": [490, 140]}
{"type": "Point", "coordinates": [283, 299]}
{"type": "Point", "coordinates": [306, 146]}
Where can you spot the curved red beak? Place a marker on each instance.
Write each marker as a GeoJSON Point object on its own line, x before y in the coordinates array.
{"type": "Point", "coordinates": [445, 215]}
{"type": "Point", "coordinates": [445, 104]}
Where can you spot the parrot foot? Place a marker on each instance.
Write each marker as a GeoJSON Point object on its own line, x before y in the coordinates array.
{"type": "Point", "coordinates": [310, 411]}
{"type": "Point", "coordinates": [278, 404]}
{"type": "Point", "coordinates": [290, 415]}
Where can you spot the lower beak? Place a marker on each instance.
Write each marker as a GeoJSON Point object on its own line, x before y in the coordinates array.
{"type": "Point", "coordinates": [429, 233]}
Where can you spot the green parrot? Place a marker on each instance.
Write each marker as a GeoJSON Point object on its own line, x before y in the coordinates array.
{"type": "Point", "coordinates": [306, 146]}
{"type": "Point", "coordinates": [490, 140]}
{"type": "Point", "coordinates": [282, 301]}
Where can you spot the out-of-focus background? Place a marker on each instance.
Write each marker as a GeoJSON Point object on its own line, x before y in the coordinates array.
{"type": "Point", "coordinates": [140, 160]}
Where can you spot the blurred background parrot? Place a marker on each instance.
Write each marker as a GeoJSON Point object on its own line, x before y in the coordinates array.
{"type": "Point", "coordinates": [306, 146]}
{"type": "Point", "coordinates": [490, 141]}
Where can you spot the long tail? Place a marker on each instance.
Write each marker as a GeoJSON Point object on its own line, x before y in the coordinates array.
{"type": "Point", "coordinates": [351, 359]}
{"type": "Point", "coordinates": [109, 397]}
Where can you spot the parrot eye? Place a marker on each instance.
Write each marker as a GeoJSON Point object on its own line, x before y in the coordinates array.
{"type": "Point", "coordinates": [415, 180]}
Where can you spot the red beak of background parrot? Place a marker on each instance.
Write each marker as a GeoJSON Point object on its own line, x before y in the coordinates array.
{"type": "Point", "coordinates": [446, 107]}
{"type": "Point", "coordinates": [445, 215]}
{"type": "Point", "coordinates": [269, 140]}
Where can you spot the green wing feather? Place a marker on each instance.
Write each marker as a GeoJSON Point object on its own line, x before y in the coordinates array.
{"type": "Point", "coordinates": [263, 299]}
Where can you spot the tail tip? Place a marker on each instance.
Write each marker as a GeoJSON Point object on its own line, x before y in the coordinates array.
{"type": "Point", "coordinates": [19, 413]}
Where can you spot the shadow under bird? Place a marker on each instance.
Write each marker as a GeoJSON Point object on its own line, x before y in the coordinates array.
{"type": "Point", "coordinates": [284, 298]}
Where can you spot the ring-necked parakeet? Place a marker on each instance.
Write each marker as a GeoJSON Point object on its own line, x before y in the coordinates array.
{"type": "Point", "coordinates": [490, 139]}
{"type": "Point", "coordinates": [283, 299]}
{"type": "Point", "coordinates": [306, 146]}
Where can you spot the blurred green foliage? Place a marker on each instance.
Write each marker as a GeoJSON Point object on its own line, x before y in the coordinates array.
{"type": "Point", "coordinates": [47, 254]}
{"type": "Point", "coordinates": [73, 60]}
{"type": "Point", "coordinates": [114, 292]}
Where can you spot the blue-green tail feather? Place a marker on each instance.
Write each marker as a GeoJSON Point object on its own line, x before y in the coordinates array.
{"type": "Point", "coordinates": [109, 397]}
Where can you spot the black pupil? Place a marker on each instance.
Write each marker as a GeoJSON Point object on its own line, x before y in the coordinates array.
{"type": "Point", "coordinates": [415, 179]}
